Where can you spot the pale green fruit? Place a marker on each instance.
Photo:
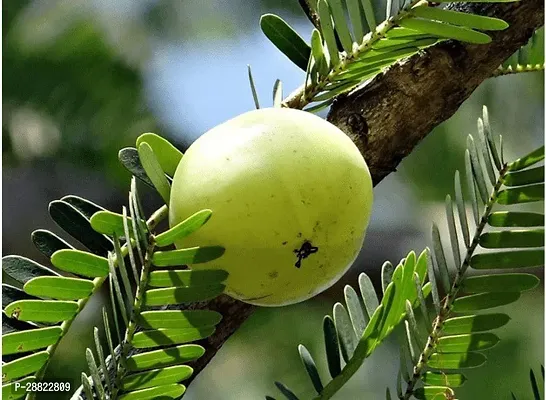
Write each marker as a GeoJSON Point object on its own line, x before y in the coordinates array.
{"type": "Point", "coordinates": [281, 183]}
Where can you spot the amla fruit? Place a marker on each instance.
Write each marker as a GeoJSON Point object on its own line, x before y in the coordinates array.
{"type": "Point", "coordinates": [291, 197]}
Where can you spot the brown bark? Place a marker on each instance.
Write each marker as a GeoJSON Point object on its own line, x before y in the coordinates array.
{"type": "Point", "coordinates": [387, 118]}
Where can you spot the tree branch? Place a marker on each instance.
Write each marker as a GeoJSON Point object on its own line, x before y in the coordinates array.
{"type": "Point", "coordinates": [389, 116]}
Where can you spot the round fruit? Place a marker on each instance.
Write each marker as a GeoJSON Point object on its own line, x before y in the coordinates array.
{"type": "Point", "coordinates": [291, 198]}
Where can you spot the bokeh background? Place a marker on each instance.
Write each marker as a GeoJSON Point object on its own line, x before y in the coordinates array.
{"type": "Point", "coordinates": [83, 78]}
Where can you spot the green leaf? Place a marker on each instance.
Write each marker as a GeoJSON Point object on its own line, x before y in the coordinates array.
{"type": "Point", "coordinates": [440, 258]}
{"type": "Point", "coordinates": [156, 377]}
{"type": "Point", "coordinates": [508, 259]}
{"type": "Point", "coordinates": [286, 39]}
{"type": "Point", "coordinates": [484, 301]}
{"type": "Point", "coordinates": [465, 343]}
{"type": "Point", "coordinates": [521, 194]}
{"type": "Point", "coordinates": [154, 171]}
{"type": "Point", "coordinates": [477, 169]}
{"type": "Point", "coordinates": [525, 177]}
{"type": "Point", "coordinates": [340, 25]}
{"type": "Point", "coordinates": [24, 366]}
{"type": "Point", "coordinates": [24, 269]}
{"type": "Point", "coordinates": [445, 30]}
{"type": "Point", "coordinates": [437, 379]}
{"type": "Point", "coordinates": [286, 392]}
{"type": "Point", "coordinates": [474, 323]}
{"type": "Point", "coordinates": [490, 141]}
{"type": "Point", "coordinates": [75, 224]}
{"type": "Point", "coordinates": [42, 310]}
{"type": "Point", "coordinates": [80, 263]}
{"type": "Point", "coordinates": [178, 295]}
{"type": "Point", "coordinates": [184, 228]}
{"type": "Point", "coordinates": [16, 390]}
{"type": "Point", "coordinates": [179, 318]}
{"type": "Point", "coordinates": [167, 155]}
{"type": "Point", "coordinates": [187, 277]}
{"type": "Point", "coordinates": [165, 357]}
{"type": "Point", "coordinates": [528, 160]}
{"type": "Point", "coordinates": [356, 311]}
{"type": "Point", "coordinates": [369, 13]}
{"type": "Point", "coordinates": [165, 337]}
{"type": "Point", "coordinates": [461, 209]}
{"type": "Point", "coordinates": [311, 368]}
{"type": "Point", "coordinates": [109, 223]}
{"type": "Point", "coordinates": [84, 206]}
{"type": "Point", "coordinates": [35, 339]}
{"type": "Point", "coordinates": [328, 34]}
{"type": "Point", "coordinates": [61, 288]}
{"type": "Point", "coordinates": [317, 49]}
{"type": "Point", "coordinates": [398, 43]}
{"type": "Point", "coordinates": [515, 219]}
{"type": "Point", "coordinates": [500, 283]}
{"type": "Point", "coordinates": [453, 232]}
{"type": "Point", "coordinates": [486, 156]}
{"type": "Point", "coordinates": [433, 393]}
{"type": "Point", "coordinates": [460, 18]}
{"type": "Point", "coordinates": [129, 158]}
{"type": "Point", "coordinates": [48, 243]}
{"type": "Point", "coordinates": [456, 360]}
{"type": "Point", "coordinates": [354, 10]}
{"type": "Point", "coordinates": [95, 374]}
{"type": "Point", "coordinates": [332, 346]}
{"type": "Point", "coordinates": [172, 391]}
{"type": "Point", "coordinates": [511, 239]}
{"type": "Point", "coordinates": [345, 332]}
{"type": "Point", "coordinates": [194, 255]}
{"type": "Point", "coordinates": [471, 187]}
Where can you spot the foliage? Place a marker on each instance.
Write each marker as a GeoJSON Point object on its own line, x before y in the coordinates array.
{"type": "Point", "coordinates": [345, 53]}
{"type": "Point", "coordinates": [147, 352]}
{"type": "Point", "coordinates": [32, 314]}
{"type": "Point", "coordinates": [457, 334]}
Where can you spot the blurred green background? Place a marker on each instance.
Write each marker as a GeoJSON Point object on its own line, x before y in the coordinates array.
{"type": "Point", "coordinates": [83, 78]}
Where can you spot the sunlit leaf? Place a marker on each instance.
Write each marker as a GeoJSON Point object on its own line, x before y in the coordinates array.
{"type": "Point", "coordinates": [513, 238]}
{"type": "Point", "coordinates": [21, 342]}
{"type": "Point", "coordinates": [42, 310]}
{"type": "Point", "coordinates": [80, 263]}
{"type": "Point", "coordinates": [194, 255]}
{"type": "Point", "coordinates": [61, 288]}
{"type": "Point", "coordinates": [456, 360]}
{"type": "Point", "coordinates": [187, 277]}
{"type": "Point", "coordinates": [521, 194]}
{"type": "Point", "coordinates": [178, 295]}
{"type": "Point", "coordinates": [167, 155]}
{"type": "Point", "coordinates": [445, 30]}
{"type": "Point", "coordinates": [172, 391]}
{"type": "Point", "coordinates": [528, 160]}
{"type": "Point", "coordinates": [464, 343]}
{"type": "Point", "coordinates": [184, 228]}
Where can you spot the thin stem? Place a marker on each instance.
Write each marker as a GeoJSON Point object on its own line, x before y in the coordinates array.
{"type": "Point", "coordinates": [158, 215]}
{"type": "Point", "coordinates": [510, 70]}
{"type": "Point", "coordinates": [137, 306]}
{"type": "Point", "coordinates": [447, 303]}
{"type": "Point", "coordinates": [303, 95]}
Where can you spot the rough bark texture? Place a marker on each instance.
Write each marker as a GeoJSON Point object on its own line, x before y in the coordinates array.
{"type": "Point", "coordinates": [387, 118]}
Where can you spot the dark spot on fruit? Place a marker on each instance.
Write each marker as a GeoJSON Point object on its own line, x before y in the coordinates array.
{"type": "Point", "coordinates": [273, 274]}
{"type": "Point", "coordinates": [284, 243]}
{"type": "Point", "coordinates": [299, 234]}
{"type": "Point", "coordinates": [304, 251]}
